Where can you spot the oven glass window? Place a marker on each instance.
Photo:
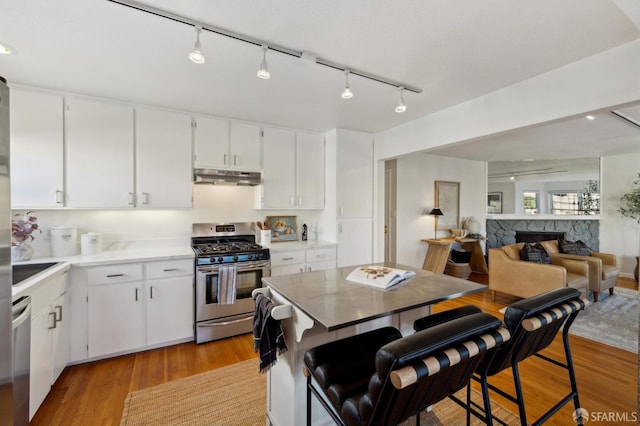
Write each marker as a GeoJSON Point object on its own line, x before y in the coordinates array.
{"type": "Point", "coordinates": [246, 282]}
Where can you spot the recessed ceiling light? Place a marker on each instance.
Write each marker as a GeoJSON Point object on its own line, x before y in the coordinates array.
{"type": "Point", "coordinates": [590, 117]}
{"type": "Point", "coordinates": [5, 49]}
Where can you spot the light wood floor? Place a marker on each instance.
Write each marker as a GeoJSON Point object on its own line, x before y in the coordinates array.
{"type": "Point", "coordinates": [93, 393]}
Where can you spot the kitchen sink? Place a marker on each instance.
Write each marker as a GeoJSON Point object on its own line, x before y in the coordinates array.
{"type": "Point", "coordinates": [22, 272]}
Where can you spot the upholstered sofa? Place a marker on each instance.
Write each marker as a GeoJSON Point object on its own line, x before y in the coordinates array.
{"type": "Point", "coordinates": [603, 267]}
{"type": "Point", "coordinates": [508, 274]}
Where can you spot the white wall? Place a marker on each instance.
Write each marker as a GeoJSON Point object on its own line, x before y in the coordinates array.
{"type": "Point", "coordinates": [617, 234]}
{"type": "Point", "coordinates": [600, 81]}
{"type": "Point", "coordinates": [211, 204]}
{"type": "Point", "coordinates": [415, 194]}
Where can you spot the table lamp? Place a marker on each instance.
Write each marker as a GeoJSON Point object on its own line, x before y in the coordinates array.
{"type": "Point", "coordinates": [435, 212]}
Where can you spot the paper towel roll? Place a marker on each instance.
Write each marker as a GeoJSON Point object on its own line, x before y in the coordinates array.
{"type": "Point", "coordinates": [90, 243]}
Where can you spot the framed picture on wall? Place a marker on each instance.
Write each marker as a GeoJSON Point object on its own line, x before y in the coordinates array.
{"type": "Point", "coordinates": [494, 202]}
{"type": "Point", "coordinates": [447, 196]}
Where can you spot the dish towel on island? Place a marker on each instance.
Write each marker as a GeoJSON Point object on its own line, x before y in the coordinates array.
{"type": "Point", "coordinates": [268, 337]}
{"type": "Point", "coordinates": [227, 285]}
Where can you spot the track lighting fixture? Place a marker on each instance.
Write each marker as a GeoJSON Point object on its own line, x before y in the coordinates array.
{"type": "Point", "coordinates": [196, 55]}
{"type": "Point", "coordinates": [401, 105]}
{"type": "Point", "coordinates": [263, 72]}
{"type": "Point", "coordinates": [346, 93]}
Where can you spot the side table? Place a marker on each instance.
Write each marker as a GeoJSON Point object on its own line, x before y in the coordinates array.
{"type": "Point", "coordinates": [437, 254]}
{"type": "Point", "coordinates": [477, 261]}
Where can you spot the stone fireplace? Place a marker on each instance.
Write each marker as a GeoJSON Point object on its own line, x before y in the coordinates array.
{"type": "Point", "coordinates": [502, 232]}
{"type": "Point", "coordinates": [533, 236]}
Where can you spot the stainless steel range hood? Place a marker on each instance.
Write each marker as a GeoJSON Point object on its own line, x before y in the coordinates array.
{"type": "Point", "coordinates": [226, 177]}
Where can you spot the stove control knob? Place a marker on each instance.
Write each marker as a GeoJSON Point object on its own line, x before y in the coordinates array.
{"type": "Point", "coordinates": [235, 258]}
{"type": "Point", "coordinates": [220, 259]}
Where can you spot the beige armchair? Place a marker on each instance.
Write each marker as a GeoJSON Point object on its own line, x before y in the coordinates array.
{"type": "Point", "coordinates": [603, 267]}
{"type": "Point", "coordinates": [508, 274]}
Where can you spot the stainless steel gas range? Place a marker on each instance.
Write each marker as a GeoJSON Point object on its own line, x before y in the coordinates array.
{"type": "Point", "coordinates": [220, 248]}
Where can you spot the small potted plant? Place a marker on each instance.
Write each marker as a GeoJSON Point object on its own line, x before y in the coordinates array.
{"type": "Point", "coordinates": [630, 208]}
{"type": "Point", "coordinates": [22, 228]}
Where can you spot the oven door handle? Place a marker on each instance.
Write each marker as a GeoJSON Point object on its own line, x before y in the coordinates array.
{"type": "Point", "coordinates": [216, 324]}
{"type": "Point", "coordinates": [207, 270]}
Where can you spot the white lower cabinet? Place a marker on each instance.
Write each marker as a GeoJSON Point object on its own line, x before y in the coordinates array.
{"type": "Point", "coordinates": [139, 305]}
{"type": "Point", "coordinates": [49, 337]}
{"type": "Point", "coordinates": [302, 260]}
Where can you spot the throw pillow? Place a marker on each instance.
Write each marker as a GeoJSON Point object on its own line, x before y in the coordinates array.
{"type": "Point", "coordinates": [534, 252]}
{"type": "Point", "coordinates": [574, 247]}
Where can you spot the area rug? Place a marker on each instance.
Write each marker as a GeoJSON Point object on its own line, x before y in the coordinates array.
{"type": "Point", "coordinates": [236, 395]}
{"type": "Point", "coordinates": [613, 320]}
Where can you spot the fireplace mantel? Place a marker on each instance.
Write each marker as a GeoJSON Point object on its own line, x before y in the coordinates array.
{"type": "Point", "coordinates": [541, 217]}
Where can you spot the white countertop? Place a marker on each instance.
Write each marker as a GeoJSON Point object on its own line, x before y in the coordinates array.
{"type": "Point", "coordinates": [119, 252]}
{"type": "Point", "coordinates": [299, 245]}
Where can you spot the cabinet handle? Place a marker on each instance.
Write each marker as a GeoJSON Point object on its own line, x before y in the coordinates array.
{"type": "Point", "coordinates": [235, 160]}
{"type": "Point", "coordinates": [58, 196]}
{"type": "Point", "coordinates": [301, 270]}
{"type": "Point", "coordinates": [145, 198]}
{"type": "Point", "coordinates": [136, 294]}
{"type": "Point", "coordinates": [59, 313]}
{"type": "Point", "coordinates": [131, 198]}
{"type": "Point", "coordinates": [224, 161]}
{"type": "Point", "coordinates": [309, 268]}
{"type": "Point", "coordinates": [291, 201]}
{"type": "Point", "coordinates": [341, 210]}
{"type": "Point", "coordinates": [51, 327]}
{"type": "Point", "coordinates": [299, 200]}
{"type": "Point", "coordinates": [151, 292]}
{"type": "Point", "coordinates": [287, 258]}
{"type": "Point", "coordinates": [340, 228]}
{"type": "Point", "coordinates": [115, 275]}
{"type": "Point", "coordinates": [170, 269]}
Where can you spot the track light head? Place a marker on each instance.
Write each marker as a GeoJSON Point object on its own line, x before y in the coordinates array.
{"type": "Point", "coordinates": [196, 56]}
{"type": "Point", "coordinates": [401, 105]}
{"type": "Point", "coordinates": [346, 93]}
{"type": "Point", "coordinates": [263, 71]}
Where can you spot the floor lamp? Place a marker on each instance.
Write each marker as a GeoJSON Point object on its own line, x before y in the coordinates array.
{"type": "Point", "coordinates": [435, 212]}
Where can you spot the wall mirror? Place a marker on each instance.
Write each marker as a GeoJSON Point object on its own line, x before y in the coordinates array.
{"type": "Point", "coordinates": [559, 187]}
{"type": "Point", "coordinates": [447, 199]}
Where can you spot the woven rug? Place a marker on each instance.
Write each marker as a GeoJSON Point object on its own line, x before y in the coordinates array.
{"type": "Point", "coordinates": [236, 395]}
{"type": "Point", "coordinates": [613, 320]}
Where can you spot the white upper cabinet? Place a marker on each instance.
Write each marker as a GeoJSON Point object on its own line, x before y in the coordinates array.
{"type": "Point", "coordinates": [36, 149]}
{"type": "Point", "coordinates": [293, 170]}
{"type": "Point", "coordinates": [245, 146]}
{"type": "Point", "coordinates": [309, 170]}
{"type": "Point", "coordinates": [100, 149]}
{"type": "Point", "coordinates": [278, 168]}
{"type": "Point", "coordinates": [163, 148]}
{"type": "Point", "coordinates": [354, 175]}
{"type": "Point", "coordinates": [224, 144]}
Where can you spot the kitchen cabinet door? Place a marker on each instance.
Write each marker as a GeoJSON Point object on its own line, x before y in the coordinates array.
{"type": "Point", "coordinates": [245, 147]}
{"type": "Point", "coordinates": [99, 138]}
{"type": "Point", "coordinates": [354, 175]}
{"type": "Point", "coordinates": [278, 173]}
{"type": "Point", "coordinates": [163, 148]}
{"type": "Point", "coordinates": [40, 363]}
{"type": "Point", "coordinates": [309, 170]}
{"type": "Point", "coordinates": [211, 142]}
{"type": "Point", "coordinates": [169, 309]}
{"type": "Point", "coordinates": [355, 242]}
{"type": "Point", "coordinates": [116, 320]}
{"type": "Point", "coordinates": [60, 339]}
{"type": "Point", "coordinates": [36, 149]}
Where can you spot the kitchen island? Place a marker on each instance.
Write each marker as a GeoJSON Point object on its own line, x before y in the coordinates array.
{"type": "Point", "coordinates": [323, 306]}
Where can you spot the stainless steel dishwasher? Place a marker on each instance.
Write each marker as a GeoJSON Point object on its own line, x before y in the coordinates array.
{"type": "Point", "coordinates": [21, 359]}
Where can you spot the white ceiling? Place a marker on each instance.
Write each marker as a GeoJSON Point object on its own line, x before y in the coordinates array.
{"type": "Point", "coordinates": [454, 50]}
